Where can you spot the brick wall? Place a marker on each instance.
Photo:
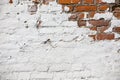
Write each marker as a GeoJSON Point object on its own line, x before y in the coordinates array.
{"type": "Point", "coordinates": [89, 6]}
{"type": "Point", "coordinates": [84, 11]}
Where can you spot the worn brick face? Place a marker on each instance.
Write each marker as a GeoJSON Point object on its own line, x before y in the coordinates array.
{"type": "Point", "coordinates": [103, 36]}
{"type": "Point", "coordinates": [103, 7]}
{"type": "Point", "coordinates": [69, 1]}
{"type": "Point", "coordinates": [91, 14]}
{"type": "Point", "coordinates": [85, 8]}
{"type": "Point", "coordinates": [81, 23]}
{"type": "Point", "coordinates": [84, 13]}
{"type": "Point", "coordinates": [88, 1]}
{"type": "Point", "coordinates": [99, 23]}
{"type": "Point", "coordinates": [116, 29]}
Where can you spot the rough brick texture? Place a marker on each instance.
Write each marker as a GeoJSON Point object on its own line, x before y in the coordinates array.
{"type": "Point", "coordinates": [69, 1]}
{"type": "Point", "coordinates": [116, 29]}
{"type": "Point", "coordinates": [83, 11]}
{"type": "Point", "coordinates": [103, 36]}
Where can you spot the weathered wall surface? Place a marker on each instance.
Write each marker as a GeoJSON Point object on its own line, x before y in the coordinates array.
{"type": "Point", "coordinates": [58, 50]}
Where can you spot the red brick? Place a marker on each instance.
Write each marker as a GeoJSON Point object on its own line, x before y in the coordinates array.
{"type": "Point", "coordinates": [10, 1]}
{"type": "Point", "coordinates": [93, 28]}
{"type": "Point", "coordinates": [88, 1]}
{"type": "Point", "coordinates": [103, 36]}
{"type": "Point", "coordinates": [91, 14]}
{"type": "Point", "coordinates": [68, 1]}
{"type": "Point", "coordinates": [81, 16]}
{"type": "Point", "coordinates": [116, 29]}
{"type": "Point", "coordinates": [103, 7]}
{"type": "Point", "coordinates": [85, 8]}
{"type": "Point", "coordinates": [99, 23]}
{"type": "Point", "coordinates": [81, 23]}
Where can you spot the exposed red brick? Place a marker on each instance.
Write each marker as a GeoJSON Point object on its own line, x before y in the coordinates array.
{"type": "Point", "coordinates": [99, 23]}
{"type": "Point", "coordinates": [103, 7]}
{"type": "Point", "coordinates": [10, 1]}
{"type": "Point", "coordinates": [85, 8]}
{"type": "Point", "coordinates": [81, 23]}
{"type": "Point", "coordinates": [81, 16]}
{"type": "Point", "coordinates": [88, 1]}
{"type": "Point", "coordinates": [93, 28]}
{"type": "Point", "coordinates": [116, 29]}
{"type": "Point", "coordinates": [68, 1]}
{"type": "Point", "coordinates": [103, 36]}
{"type": "Point", "coordinates": [91, 14]}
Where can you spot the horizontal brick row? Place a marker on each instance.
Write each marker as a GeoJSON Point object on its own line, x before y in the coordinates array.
{"type": "Point", "coordinates": [66, 2]}
{"type": "Point", "coordinates": [88, 8]}
{"type": "Point", "coordinates": [95, 23]}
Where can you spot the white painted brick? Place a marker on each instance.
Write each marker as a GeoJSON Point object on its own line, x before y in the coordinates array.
{"type": "Point", "coordinates": [3, 68]}
{"type": "Point", "coordinates": [9, 76]}
{"type": "Point", "coordinates": [42, 68]}
{"type": "Point", "coordinates": [42, 75]}
{"type": "Point", "coordinates": [21, 67]}
{"type": "Point", "coordinates": [60, 67]}
{"type": "Point", "coordinates": [60, 75]}
{"type": "Point", "coordinates": [77, 67]}
{"type": "Point", "coordinates": [24, 76]}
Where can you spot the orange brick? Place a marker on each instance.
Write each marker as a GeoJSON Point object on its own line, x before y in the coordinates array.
{"type": "Point", "coordinates": [103, 7]}
{"type": "Point", "coordinates": [68, 1]}
{"type": "Point", "coordinates": [88, 1]}
{"type": "Point", "coordinates": [91, 14]}
{"type": "Point", "coordinates": [103, 36]}
{"type": "Point", "coordinates": [85, 8]}
{"type": "Point", "coordinates": [93, 28]}
{"type": "Point", "coordinates": [81, 16]}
